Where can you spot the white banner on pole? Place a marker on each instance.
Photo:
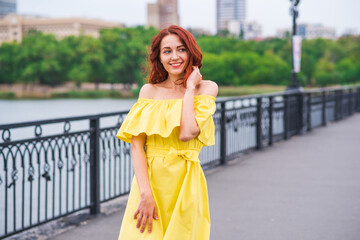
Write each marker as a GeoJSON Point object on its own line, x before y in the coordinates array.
{"type": "Point", "coordinates": [296, 52]}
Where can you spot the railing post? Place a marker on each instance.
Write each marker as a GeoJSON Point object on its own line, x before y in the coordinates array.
{"type": "Point", "coordinates": [336, 112]}
{"type": "Point", "coordinates": [341, 95]}
{"type": "Point", "coordinates": [94, 166]}
{"type": "Point", "coordinates": [271, 109]}
{"type": "Point", "coordinates": [259, 144]}
{"type": "Point", "coordinates": [301, 112]}
{"type": "Point", "coordinates": [223, 134]}
{"type": "Point", "coordinates": [350, 102]}
{"type": "Point", "coordinates": [356, 93]}
{"type": "Point", "coordinates": [286, 117]}
{"type": "Point", "coordinates": [308, 112]}
{"type": "Point", "coordinates": [358, 99]}
{"type": "Point", "coordinates": [323, 112]}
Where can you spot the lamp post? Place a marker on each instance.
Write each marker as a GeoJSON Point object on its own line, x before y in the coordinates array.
{"type": "Point", "coordinates": [294, 85]}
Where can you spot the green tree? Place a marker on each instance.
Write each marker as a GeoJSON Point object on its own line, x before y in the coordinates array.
{"type": "Point", "coordinates": [324, 72]}
{"type": "Point", "coordinates": [215, 68]}
{"type": "Point", "coordinates": [85, 59]}
{"type": "Point", "coordinates": [79, 74]}
{"type": "Point", "coordinates": [38, 59]}
{"type": "Point", "coordinates": [349, 71]}
{"type": "Point", "coordinates": [126, 54]}
{"type": "Point", "coordinates": [9, 63]}
{"type": "Point", "coordinates": [308, 63]}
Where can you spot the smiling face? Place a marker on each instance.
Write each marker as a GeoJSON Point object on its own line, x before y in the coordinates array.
{"type": "Point", "coordinates": [173, 55]}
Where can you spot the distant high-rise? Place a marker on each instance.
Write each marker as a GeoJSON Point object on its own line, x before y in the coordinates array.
{"type": "Point", "coordinates": [229, 10]}
{"type": "Point", "coordinates": [163, 13]}
{"type": "Point", "coordinates": [6, 7]}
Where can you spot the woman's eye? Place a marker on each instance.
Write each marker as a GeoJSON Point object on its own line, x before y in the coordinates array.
{"type": "Point", "coordinates": [167, 51]}
{"type": "Point", "coordinates": [182, 49]}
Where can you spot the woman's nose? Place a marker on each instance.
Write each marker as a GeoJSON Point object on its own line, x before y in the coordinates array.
{"type": "Point", "coordinates": [174, 55]}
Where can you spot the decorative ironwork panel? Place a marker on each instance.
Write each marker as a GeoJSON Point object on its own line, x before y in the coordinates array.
{"type": "Point", "coordinates": [44, 177]}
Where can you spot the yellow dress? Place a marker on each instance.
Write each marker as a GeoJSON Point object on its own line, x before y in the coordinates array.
{"type": "Point", "coordinates": [176, 178]}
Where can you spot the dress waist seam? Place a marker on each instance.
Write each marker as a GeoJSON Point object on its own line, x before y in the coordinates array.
{"type": "Point", "coordinates": [152, 147]}
{"type": "Point", "coordinates": [188, 153]}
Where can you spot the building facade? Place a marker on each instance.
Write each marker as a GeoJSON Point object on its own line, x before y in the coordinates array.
{"type": "Point", "coordinates": [163, 13]}
{"type": "Point", "coordinates": [350, 32]}
{"type": "Point", "coordinates": [247, 30]}
{"type": "Point", "coordinates": [14, 27]}
{"type": "Point", "coordinates": [7, 7]}
{"type": "Point", "coordinates": [251, 30]}
{"type": "Point", "coordinates": [309, 31]}
{"type": "Point", "coordinates": [227, 11]}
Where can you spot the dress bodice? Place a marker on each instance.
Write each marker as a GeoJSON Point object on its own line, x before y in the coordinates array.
{"type": "Point", "coordinates": [160, 120]}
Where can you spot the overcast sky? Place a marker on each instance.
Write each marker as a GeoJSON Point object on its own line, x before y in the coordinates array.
{"type": "Point", "coordinates": [271, 14]}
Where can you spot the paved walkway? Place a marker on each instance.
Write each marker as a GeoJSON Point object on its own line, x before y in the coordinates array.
{"type": "Point", "coordinates": [307, 188]}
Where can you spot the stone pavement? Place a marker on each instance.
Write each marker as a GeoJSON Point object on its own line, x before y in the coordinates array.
{"type": "Point", "coordinates": [307, 188]}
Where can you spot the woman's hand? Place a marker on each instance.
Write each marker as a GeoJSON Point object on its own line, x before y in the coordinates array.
{"type": "Point", "coordinates": [146, 210]}
{"type": "Point", "coordinates": [194, 78]}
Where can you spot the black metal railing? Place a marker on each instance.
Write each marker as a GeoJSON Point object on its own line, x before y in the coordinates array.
{"type": "Point", "coordinates": [52, 168]}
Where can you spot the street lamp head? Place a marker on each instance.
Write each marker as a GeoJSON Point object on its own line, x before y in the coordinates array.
{"type": "Point", "coordinates": [295, 2]}
{"type": "Point", "coordinates": [294, 12]}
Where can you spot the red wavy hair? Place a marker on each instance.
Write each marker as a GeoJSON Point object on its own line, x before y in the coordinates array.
{"type": "Point", "coordinates": [157, 72]}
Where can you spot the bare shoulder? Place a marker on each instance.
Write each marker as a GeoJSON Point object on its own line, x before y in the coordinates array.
{"type": "Point", "coordinates": [147, 91]}
{"type": "Point", "coordinates": [208, 87]}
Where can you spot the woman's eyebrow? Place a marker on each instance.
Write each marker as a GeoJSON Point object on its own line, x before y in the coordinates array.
{"type": "Point", "coordinates": [176, 47]}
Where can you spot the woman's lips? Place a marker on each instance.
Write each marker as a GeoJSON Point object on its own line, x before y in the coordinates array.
{"type": "Point", "coordinates": [175, 65]}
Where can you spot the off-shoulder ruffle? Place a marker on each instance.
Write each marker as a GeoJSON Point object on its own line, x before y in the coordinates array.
{"type": "Point", "coordinates": [204, 109]}
{"type": "Point", "coordinates": [152, 116]}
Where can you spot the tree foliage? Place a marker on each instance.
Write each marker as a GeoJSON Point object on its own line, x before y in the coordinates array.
{"type": "Point", "coordinates": [120, 56]}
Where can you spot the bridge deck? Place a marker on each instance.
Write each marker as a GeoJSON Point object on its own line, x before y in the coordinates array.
{"type": "Point", "coordinates": [305, 188]}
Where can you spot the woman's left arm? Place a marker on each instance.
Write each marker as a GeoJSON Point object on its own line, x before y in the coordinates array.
{"type": "Point", "coordinates": [188, 126]}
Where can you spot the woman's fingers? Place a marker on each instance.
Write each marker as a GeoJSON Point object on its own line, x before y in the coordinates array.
{"type": "Point", "coordinates": [136, 213]}
{"type": "Point", "coordinates": [150, 223]}
{"type": "Point", "coordinates": [155, 214]}
{"type": "Point", "coordinates": [196, 69]}
{"type": "Point", "coordinates": [139, 220]}
{"type": "Point", "coordinates": [198, 72]}
{"type": "Point", "coordinates": [143, 217]}
{"type": "Point", "coordinates": [143, 224]}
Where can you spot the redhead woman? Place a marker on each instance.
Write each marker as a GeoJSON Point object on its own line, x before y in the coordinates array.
{"type": "Point", "coordinates": [167, 127]}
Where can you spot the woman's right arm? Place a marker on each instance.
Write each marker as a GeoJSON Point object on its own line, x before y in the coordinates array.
{"type": "Point", "coordinates": [146, 209]}
{"type": "Point", "coordinates": [140, 163]}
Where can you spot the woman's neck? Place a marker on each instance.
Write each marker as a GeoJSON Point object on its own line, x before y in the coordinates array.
{"type": "Point", "coordinates": [173, 82]}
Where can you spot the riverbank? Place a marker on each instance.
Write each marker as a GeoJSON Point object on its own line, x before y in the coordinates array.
{"type": "Point", "coordinates": [68, 90]}
{"type": "Point", "coordinates": [88, 90]}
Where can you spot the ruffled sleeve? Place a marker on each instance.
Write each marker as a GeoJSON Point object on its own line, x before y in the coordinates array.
{"type": "Point", "coordinates": [204, 109]}
{"type": "Point", "coordinates": [151, 117]}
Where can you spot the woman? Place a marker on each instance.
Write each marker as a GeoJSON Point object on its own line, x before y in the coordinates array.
{"type": "Point", "coordinates": [168, 199]}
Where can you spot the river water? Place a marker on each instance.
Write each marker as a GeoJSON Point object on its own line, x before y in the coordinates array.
{"type": "Point", "coordinates": [12, 111]}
